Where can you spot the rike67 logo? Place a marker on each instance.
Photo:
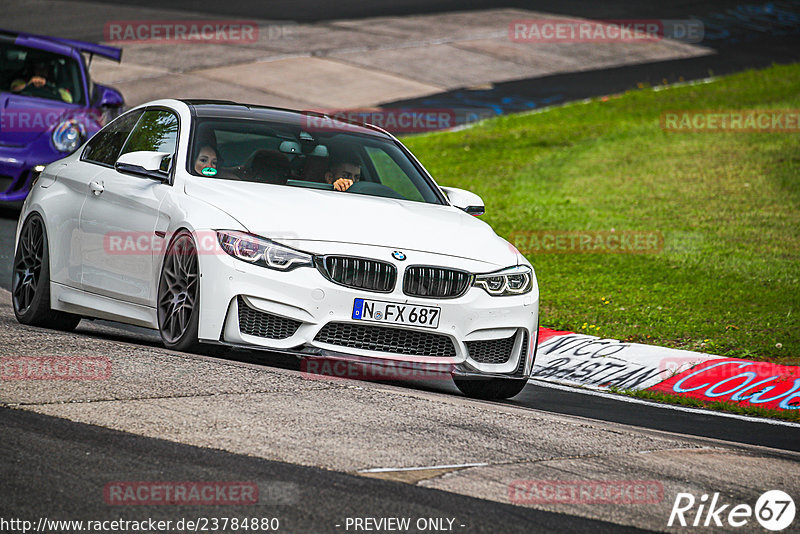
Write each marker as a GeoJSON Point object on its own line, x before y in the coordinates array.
{"type": "Point", "coordinates": [774, 510]}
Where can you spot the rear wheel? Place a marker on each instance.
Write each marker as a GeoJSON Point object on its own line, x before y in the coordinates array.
{"type": "Point", "coordinates": [179, 295]}
{"type": "Point", "coordinates": [490, 388]}
{"type": "Point", "coordinates": [30, 283]}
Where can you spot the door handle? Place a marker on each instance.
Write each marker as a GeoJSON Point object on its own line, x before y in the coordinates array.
{"type": "Point", "coordinates": [96, 187]}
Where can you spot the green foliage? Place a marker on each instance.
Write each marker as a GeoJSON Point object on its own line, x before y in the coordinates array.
{"type": "Point", "coordinates": [727, 280]}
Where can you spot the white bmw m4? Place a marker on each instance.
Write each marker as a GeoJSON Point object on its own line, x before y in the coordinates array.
{"type": "Point", "coordinates": [229, 224]}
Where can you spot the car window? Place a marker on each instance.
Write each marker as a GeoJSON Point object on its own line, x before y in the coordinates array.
{"type": "Point", "coordinates": [105, 146]}
{"type": "Point", "coordinates": [293, 155]}
{"type": "Point", "coordinates": [59, 76]}
{"type": "Point", "coordinates": [392, 175]}
{"type": "Point", "coordinates": [156, 131]}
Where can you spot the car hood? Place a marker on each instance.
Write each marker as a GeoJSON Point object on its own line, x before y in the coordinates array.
{"type": "Point", "coordinates": [285, 213]}
{"type": "Point", "coordinates": [25, 118]}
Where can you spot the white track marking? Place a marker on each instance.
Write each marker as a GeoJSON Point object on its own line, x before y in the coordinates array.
{"type": "Point", "coordinates": [392, 469]}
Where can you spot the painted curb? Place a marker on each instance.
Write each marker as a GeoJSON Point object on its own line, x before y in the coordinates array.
{"type": "Point", "coordinates": [575, 359]}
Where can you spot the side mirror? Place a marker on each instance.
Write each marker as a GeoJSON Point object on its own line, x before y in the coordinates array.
{"type": "Point", "coordinates": [107, 97]}
{"type": "Point", "coordinates": [146, 164]}
{"type": "Point", "coordinates": [465, 200]}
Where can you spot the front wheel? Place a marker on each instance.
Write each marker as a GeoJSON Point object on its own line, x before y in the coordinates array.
{"type": "Point", "coordinates": [490, 388]}
{"type": "Point", "coordinates": [179, 295]}
{"type": "Point", "coordinates": [30, 284]}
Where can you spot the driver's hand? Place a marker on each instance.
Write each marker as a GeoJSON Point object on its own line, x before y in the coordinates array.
{"type": "Point", "coordinates": [342, 184]}
{"type": "Point", "coordinates": [38, 81]}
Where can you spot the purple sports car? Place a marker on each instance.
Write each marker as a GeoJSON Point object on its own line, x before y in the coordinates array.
{"type": "Point", "coordinates": [48, 105]}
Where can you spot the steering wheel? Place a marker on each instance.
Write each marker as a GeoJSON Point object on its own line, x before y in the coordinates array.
{"type": "Point", "coordinates": [48, 90]}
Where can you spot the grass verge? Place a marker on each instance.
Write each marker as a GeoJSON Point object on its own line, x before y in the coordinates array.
{"type": "Point", "coordinates": [727, 280]}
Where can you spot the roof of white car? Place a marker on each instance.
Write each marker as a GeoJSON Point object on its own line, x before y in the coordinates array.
{"type": "Point", "coordinates": [228, 109]}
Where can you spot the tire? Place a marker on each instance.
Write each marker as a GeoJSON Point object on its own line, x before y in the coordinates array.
{"type": "Point", "coordinates": [178, 304]}
{"type": "Point", "coordinates": [30, 280]}
{"type": "Point", "coordinates": [490, 388]}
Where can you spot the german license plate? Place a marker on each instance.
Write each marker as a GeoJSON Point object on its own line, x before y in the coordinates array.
{"type": "Point", "coordinates": [379, 311]}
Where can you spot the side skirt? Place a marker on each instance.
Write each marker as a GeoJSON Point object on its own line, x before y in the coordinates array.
{"type": "Point", "coordinates": [69, 299]}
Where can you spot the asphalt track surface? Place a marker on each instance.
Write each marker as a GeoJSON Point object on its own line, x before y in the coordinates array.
{"type": "Point", "coordinates": [532, 93]}
{"type": "Point", "coordinates": [739, 43]}
{"type": "Point", "coordinates": [59, 467]}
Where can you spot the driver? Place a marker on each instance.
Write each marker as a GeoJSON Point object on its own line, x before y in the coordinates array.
{"type": "Point", "coordinates": [37, 75]}
{"type": "Point", "coordinates": [343, 174]}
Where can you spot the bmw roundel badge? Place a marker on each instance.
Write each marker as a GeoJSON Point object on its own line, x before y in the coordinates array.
{"type": "Point", "coordinates": [399, 256]}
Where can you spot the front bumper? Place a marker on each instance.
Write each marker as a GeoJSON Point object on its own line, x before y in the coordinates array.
{"type": "Point", "coordinates": [310, 302]}
{"type": "Point", "coordinates": [15, 181]}
{"type": "Point", "coordinates": [317, 361]}
{"type": "Point", "coordinates": [16, 169]}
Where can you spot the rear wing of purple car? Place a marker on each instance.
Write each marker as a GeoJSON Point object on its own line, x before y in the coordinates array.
{"type": "Point", "coordinates": [109, 52]}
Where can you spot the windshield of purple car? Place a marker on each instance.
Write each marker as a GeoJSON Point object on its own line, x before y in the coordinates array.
{"type": "Point", "coordinates": [287, 155]}
{"type": "Point", "coordinates": [37, 73]}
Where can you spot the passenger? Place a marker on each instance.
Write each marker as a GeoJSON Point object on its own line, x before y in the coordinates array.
{"type": "Point", "coordinates": [206, 158]}
{"type": "Point", "coordinates": [343, 175]}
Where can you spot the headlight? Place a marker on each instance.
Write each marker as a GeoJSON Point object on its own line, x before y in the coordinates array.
{"type": "Point", "coordinates": [68, 136]}
{"type": "Point", "coordinates": [512, 281]}
{"type": "Point", "coordinates": [261, 251]}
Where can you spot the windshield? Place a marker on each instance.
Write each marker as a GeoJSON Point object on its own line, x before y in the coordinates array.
{"type": "Point", "coordinates": [283, 154]}
{"type": "Point", "coordinates": [32, 72]}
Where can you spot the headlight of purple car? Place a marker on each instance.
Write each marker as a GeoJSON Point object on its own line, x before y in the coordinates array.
{"type": "Point", "coordinates": [68, 136]}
